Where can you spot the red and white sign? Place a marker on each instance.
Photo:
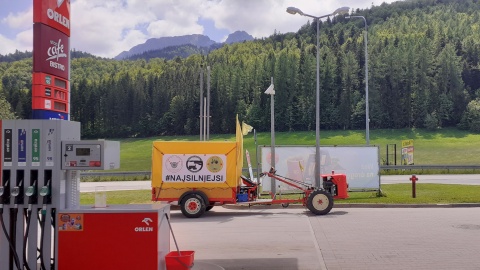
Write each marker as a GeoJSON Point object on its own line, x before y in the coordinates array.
{"type": "Point", "coordinates": [51, 49]}
{"type": "Point", "coordinates": [54, 13]}
{"type": "Point", "coordinates": [40, 103]}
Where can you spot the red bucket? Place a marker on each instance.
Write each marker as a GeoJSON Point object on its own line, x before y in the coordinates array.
{"type": "Point", "coordinates": [182, 260]}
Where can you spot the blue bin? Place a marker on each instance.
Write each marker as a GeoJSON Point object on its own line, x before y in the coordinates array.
{"type": "Point", "coordinates": [242, 197]}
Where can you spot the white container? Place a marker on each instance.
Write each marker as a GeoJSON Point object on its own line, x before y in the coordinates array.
{"type": "Point", "coordinates": [100, 197]}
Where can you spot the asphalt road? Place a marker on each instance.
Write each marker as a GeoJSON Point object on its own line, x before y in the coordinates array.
{"type": "Point", "coordinates": [459, 179]}
{"type": "Point", "coordinates": [250, 238]}
{"type": "Point", "coordinates": [345, 239]}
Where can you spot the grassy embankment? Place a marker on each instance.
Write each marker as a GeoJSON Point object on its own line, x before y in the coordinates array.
{"type": "Point", "coordinates": [445, 147]}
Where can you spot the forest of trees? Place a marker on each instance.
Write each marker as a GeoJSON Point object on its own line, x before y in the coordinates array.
{"type": "Point", "coordinates": [423, 73]}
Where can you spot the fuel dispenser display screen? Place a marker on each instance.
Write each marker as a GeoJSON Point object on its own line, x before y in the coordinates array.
{"type": "Point", "coordinates": [90, 155]}
{"type": "Point", "coordinates": [82, 151]}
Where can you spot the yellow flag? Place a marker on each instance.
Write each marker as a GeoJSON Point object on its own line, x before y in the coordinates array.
{"type": "Point", "coordinates": [239, 139]}
{"type": "Point", "coordinates": [246, 128]}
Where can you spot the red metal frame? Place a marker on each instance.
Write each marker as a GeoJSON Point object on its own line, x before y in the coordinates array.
{"type": "Point", "coordinates": [306, 191]}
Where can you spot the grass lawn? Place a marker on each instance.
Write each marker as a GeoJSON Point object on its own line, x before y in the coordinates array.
{"type": "Point", "coordinates": [393, 194]}
{"type": "Point", "coordinates": [442, 147]}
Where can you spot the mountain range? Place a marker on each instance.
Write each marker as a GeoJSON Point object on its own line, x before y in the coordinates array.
{"type": "Point", "coordinates": [182, 45]}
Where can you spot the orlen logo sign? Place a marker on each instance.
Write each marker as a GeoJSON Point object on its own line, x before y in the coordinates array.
{"type": "Point", "coordinates": [51, 49]}
{"type": "Point", "coordinates": [54, 13]}
{"type": "Point", "coordinates": [147, 222]}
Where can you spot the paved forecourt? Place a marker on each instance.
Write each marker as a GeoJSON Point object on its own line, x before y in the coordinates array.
{"type": "Point", "coordinates": [347, 238]}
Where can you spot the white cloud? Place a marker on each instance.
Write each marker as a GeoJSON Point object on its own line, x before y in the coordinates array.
{"type": "Point", "coordinates": [8, 45]}
{"type": "Point", "coordinates": [105, 29]}
{"type": "Point", "coordinates": [22, 42]}
{"type": "Point", "coordinates": [25, 39]}
{"type": "Point", "coordinates": [21, 20]}
{"type": "Point", "coordinates": [165, 28]}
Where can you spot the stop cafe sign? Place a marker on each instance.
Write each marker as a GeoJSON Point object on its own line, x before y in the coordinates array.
{"type": "Point", "coordinates": [51, 49]}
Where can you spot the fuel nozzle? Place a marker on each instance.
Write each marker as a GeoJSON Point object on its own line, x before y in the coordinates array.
{"type": "Point", "coordinates": [31, 193]}
{"type": "Point", "coordinates": [46, 193]}
{"type": "Point", "coordinates": [17, 193]}
{"type": "Point", "coordinates": [4, 195]}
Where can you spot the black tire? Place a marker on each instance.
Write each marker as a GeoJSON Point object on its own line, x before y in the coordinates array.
{"type": "Point", "coordinates": [320, 202]}
{"type": "Point", "coordinates": [285, 205]}
{"type": "Point", "coordinates": [193, 205]}
{"type": "Point", "coordinates": [208, 208]}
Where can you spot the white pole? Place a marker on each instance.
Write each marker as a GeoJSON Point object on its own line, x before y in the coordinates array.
{"type": "Point", "coordinates": [204, 119]}
{"type": "Point", "coordinates": [208, 103]}
{"type": "Point", "coordinates": [317, 114]}
{"type": "Point", "coordinates": [201, 103]}
{"type": "Point", "coordinates": [272, 128]}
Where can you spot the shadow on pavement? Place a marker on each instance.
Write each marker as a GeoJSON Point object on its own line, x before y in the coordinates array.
{"type": "Point", "coordinates": [256, 263]}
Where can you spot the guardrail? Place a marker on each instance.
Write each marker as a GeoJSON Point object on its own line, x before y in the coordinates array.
{"type": "Point", "coordinates": [382, 167]}
{"type": "Point", "coordinates": [430, 167]}
{"type": "Point", "coordinates": [119, 174]}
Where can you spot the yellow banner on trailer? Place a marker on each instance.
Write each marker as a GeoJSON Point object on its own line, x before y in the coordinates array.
{"type": "Point", "coordinates": [210, 166]}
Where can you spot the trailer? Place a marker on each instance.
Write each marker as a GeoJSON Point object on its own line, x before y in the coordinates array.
{"type": "Point", "coordinates": [200, 175]}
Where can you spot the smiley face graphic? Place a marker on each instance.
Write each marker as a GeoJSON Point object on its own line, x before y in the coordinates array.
{"type": "Point", "coordinates": [214, 164]}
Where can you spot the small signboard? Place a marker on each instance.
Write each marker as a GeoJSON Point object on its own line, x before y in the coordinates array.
{"type": "Point", "coordinates": [407, 152]}
{"type": "Point", "coordinates": [35, 147]}
{"type": "Point", "coordinates": [7, 150]}
{"type": "Point", "coordinates": [22, 147]}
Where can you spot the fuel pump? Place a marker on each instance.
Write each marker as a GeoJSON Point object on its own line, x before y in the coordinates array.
{"type": "Point", "coordinates": [38, 162]}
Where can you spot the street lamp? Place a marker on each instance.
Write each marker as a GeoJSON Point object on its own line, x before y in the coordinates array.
{"type": "Point", "coordinates": [271, 91]}
{"type": "Point", "coordinates": [367, 118]}
{"type": "Point", "coordinates": [339, 11]}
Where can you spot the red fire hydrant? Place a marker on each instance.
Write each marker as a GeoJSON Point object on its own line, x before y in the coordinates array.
{"type": "Point", "coordinates": [414, 179]}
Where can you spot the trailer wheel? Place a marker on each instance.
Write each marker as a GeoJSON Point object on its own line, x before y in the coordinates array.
{"type": "Point", "coordinates": [320, 202]}
{"type": "Point", "coordinates": [193, 205]}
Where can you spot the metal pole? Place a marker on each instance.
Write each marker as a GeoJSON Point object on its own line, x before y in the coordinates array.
{"type": "Point", "coordinates": [256, 155]}
{"type": "Point", "coordinates": [201, 103]}
{"type": "Point", "coordinates": [342, 10]}
{"type": "Point", "coordinates": [367, 117]}
{"type": "Point", "coordinates": [317, 114]}
{"type": "Point", "coordinates": [272, 139]}
{"type": "Point", "coordinates": [208, 103]}
{"type": "Point", "coordinates": [204, 118]}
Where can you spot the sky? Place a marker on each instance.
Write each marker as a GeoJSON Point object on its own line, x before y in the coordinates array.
{"type": "Point", "coordinates": [107, 27]}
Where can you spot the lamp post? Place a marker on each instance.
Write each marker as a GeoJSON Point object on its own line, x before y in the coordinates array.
{"type": "Point", "coordinates": [271, 91]}
{"type": "Point", "coordinates": [367, 117]}
{"type": "Point", "coordinates": [340, 11]}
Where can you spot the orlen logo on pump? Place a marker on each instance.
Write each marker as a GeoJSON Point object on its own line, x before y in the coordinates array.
{"type": "Point", "coordinates": [54, 13]}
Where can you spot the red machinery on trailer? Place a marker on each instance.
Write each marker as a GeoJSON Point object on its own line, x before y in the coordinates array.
{"type": "Point", "coordinates": [319, 201]}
